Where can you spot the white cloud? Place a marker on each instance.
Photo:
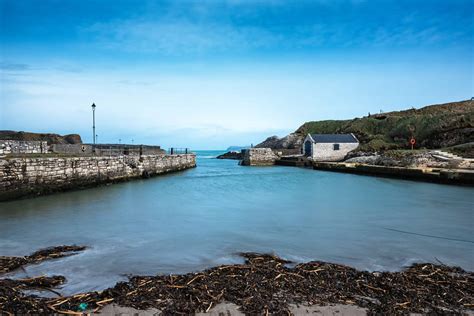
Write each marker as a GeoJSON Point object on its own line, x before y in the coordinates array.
{"type": "Point", "coordinates": [219, 106]}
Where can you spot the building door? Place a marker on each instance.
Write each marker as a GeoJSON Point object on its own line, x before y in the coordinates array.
{"type": "Point", "coordinates": [307, 148]}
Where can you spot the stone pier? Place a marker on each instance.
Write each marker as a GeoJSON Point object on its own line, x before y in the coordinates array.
{"type": "Point", "coordinates": [36, 176]}
{"type": "Point", "coordinates": [258, 157]}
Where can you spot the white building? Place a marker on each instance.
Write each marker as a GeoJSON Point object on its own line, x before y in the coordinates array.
{"type": "Point", "coordinates": [329, 147]}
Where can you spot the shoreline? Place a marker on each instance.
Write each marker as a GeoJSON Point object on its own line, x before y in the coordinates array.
{"type": "Point", "coordinates": [408, 167]}
{"type": "Point", "coordinates": [263, 284]}
{"type": "Point", "coordinates": [463, 177]}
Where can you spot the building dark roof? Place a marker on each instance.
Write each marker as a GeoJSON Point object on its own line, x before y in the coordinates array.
{"type": "Point", "coordinates": [334, 138]}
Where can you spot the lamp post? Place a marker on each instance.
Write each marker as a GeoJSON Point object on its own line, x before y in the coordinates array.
{"type": "Point", "coordinates": [93, 121]}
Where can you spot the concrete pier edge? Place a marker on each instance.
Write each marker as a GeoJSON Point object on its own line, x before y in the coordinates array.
{"type": "Point", "coordinates": [436, 175]}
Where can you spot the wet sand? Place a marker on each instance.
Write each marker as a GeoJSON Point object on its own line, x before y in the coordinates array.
{"type": "Point", "coordinates": [230, 309]}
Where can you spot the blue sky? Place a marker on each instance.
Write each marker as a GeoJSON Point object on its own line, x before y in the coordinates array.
{"type": "Point", "coordinates": [209, 74]}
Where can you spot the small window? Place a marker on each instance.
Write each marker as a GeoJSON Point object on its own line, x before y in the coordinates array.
{"type": "Point", "coordinates": [336, 146]}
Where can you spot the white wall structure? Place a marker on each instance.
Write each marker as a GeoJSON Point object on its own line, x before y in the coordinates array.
{"type": "Point", "coordinates": [23, 147]}
{"type": "Point", "coordinates": [329, 147]}
{"type": "Point", "coordinates": [258, 157]}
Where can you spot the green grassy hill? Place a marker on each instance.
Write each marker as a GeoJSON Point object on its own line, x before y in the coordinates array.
{"type": "Point", "coordinates": [434, 126]}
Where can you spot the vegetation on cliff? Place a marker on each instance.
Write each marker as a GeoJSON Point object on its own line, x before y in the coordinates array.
{"type": "Point", "coordinates": [50, 138]}
{"type": "Point", "coordinates": [434, 126]}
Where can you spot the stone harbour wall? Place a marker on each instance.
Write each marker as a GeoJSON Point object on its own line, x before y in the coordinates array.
{"type": "Point", "coordinates": [15, 147]}
{"type": "Point", "coordinates": [22, 147]}
{"type": "Point", "coordinates": [258, 157]}
{"type": "Point", "coordinates": [71, 149]}
{"type": "Point", "coordinates": [36, 176]}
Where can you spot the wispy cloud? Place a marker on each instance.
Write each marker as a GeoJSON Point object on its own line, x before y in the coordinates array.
{"type": "Point", "coordinates": [195, 32]}
{"type": "Point", "coordinates": [179, 37]}
{"type": "Point", "coordinates": [8, 66]}
{"type": "Point", "coordinates": [19, 68]}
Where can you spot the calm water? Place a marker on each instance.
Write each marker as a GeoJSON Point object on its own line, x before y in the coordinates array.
{"type": "Point", "coordinates": [201, 217]}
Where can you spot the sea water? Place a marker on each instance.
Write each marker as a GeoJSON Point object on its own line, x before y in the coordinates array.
{"type": "Point", "coordinates": [202, 217]}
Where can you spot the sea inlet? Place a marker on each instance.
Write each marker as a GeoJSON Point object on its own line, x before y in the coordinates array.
{"type": "Point", "coordinates": [203, 217]}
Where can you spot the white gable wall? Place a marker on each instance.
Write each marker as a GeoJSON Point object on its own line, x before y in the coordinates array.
{"type": "Point", "coordinates": [326, 152]}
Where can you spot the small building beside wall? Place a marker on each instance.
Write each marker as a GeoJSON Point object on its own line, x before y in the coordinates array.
{"type": "Point", "coordinates": [329, 147]}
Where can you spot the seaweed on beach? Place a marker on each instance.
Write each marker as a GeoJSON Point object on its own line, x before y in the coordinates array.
{"type": "Point", "coordinates": [12, 296]}
{"type": "Point", "coordinates": [8, 264]}
{"type": "Point", "coordinates": [266, 284]}
{"type": "Point", "coordinates": [13, 300]}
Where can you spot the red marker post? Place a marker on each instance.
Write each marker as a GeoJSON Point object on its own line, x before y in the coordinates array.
{"type": "Point", "coordinates": [412, 142]}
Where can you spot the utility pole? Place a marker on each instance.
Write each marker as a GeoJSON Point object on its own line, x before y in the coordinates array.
{"type": "Point", "coordinates": [93, 121]}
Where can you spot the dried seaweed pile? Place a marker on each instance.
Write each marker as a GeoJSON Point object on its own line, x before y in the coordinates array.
{"type": "Point", "coordinates": [265, 284]}
{"type": "Point", "coordinates": [8, 264]}
{"type": "Point", "coordinates": [13, 300]}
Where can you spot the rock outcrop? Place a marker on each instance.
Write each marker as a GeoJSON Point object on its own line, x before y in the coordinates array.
{"type": "Point", "coordinates": [408, 159]}
{"type": "Point", "coordinates": [231, 155]}
{"type": "Point", "coordinates": [290, 144]}
{"type": "Point", "coordinates": [49, 138]}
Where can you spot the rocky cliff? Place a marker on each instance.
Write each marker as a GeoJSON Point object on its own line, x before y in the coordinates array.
{"type": "Point", "coordinates": [434, 126]}
{"type": "Point", "coordinates": [291, 141]}
{"type": "Point", "coordinates": [50, 138]}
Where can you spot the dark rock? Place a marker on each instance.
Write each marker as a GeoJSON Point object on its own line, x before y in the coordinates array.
{"type": "Point", "coordinates": [288, 145]}
{"type": "Point", "coordinates": [231, 155]}
{"type": "Point", "coordinates": [237, 148]}
{"type": "Point", "coordinates": [73, 139]}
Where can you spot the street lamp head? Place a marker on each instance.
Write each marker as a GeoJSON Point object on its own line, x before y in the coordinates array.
{"type": "Point", "coordinates": [94, 136]}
